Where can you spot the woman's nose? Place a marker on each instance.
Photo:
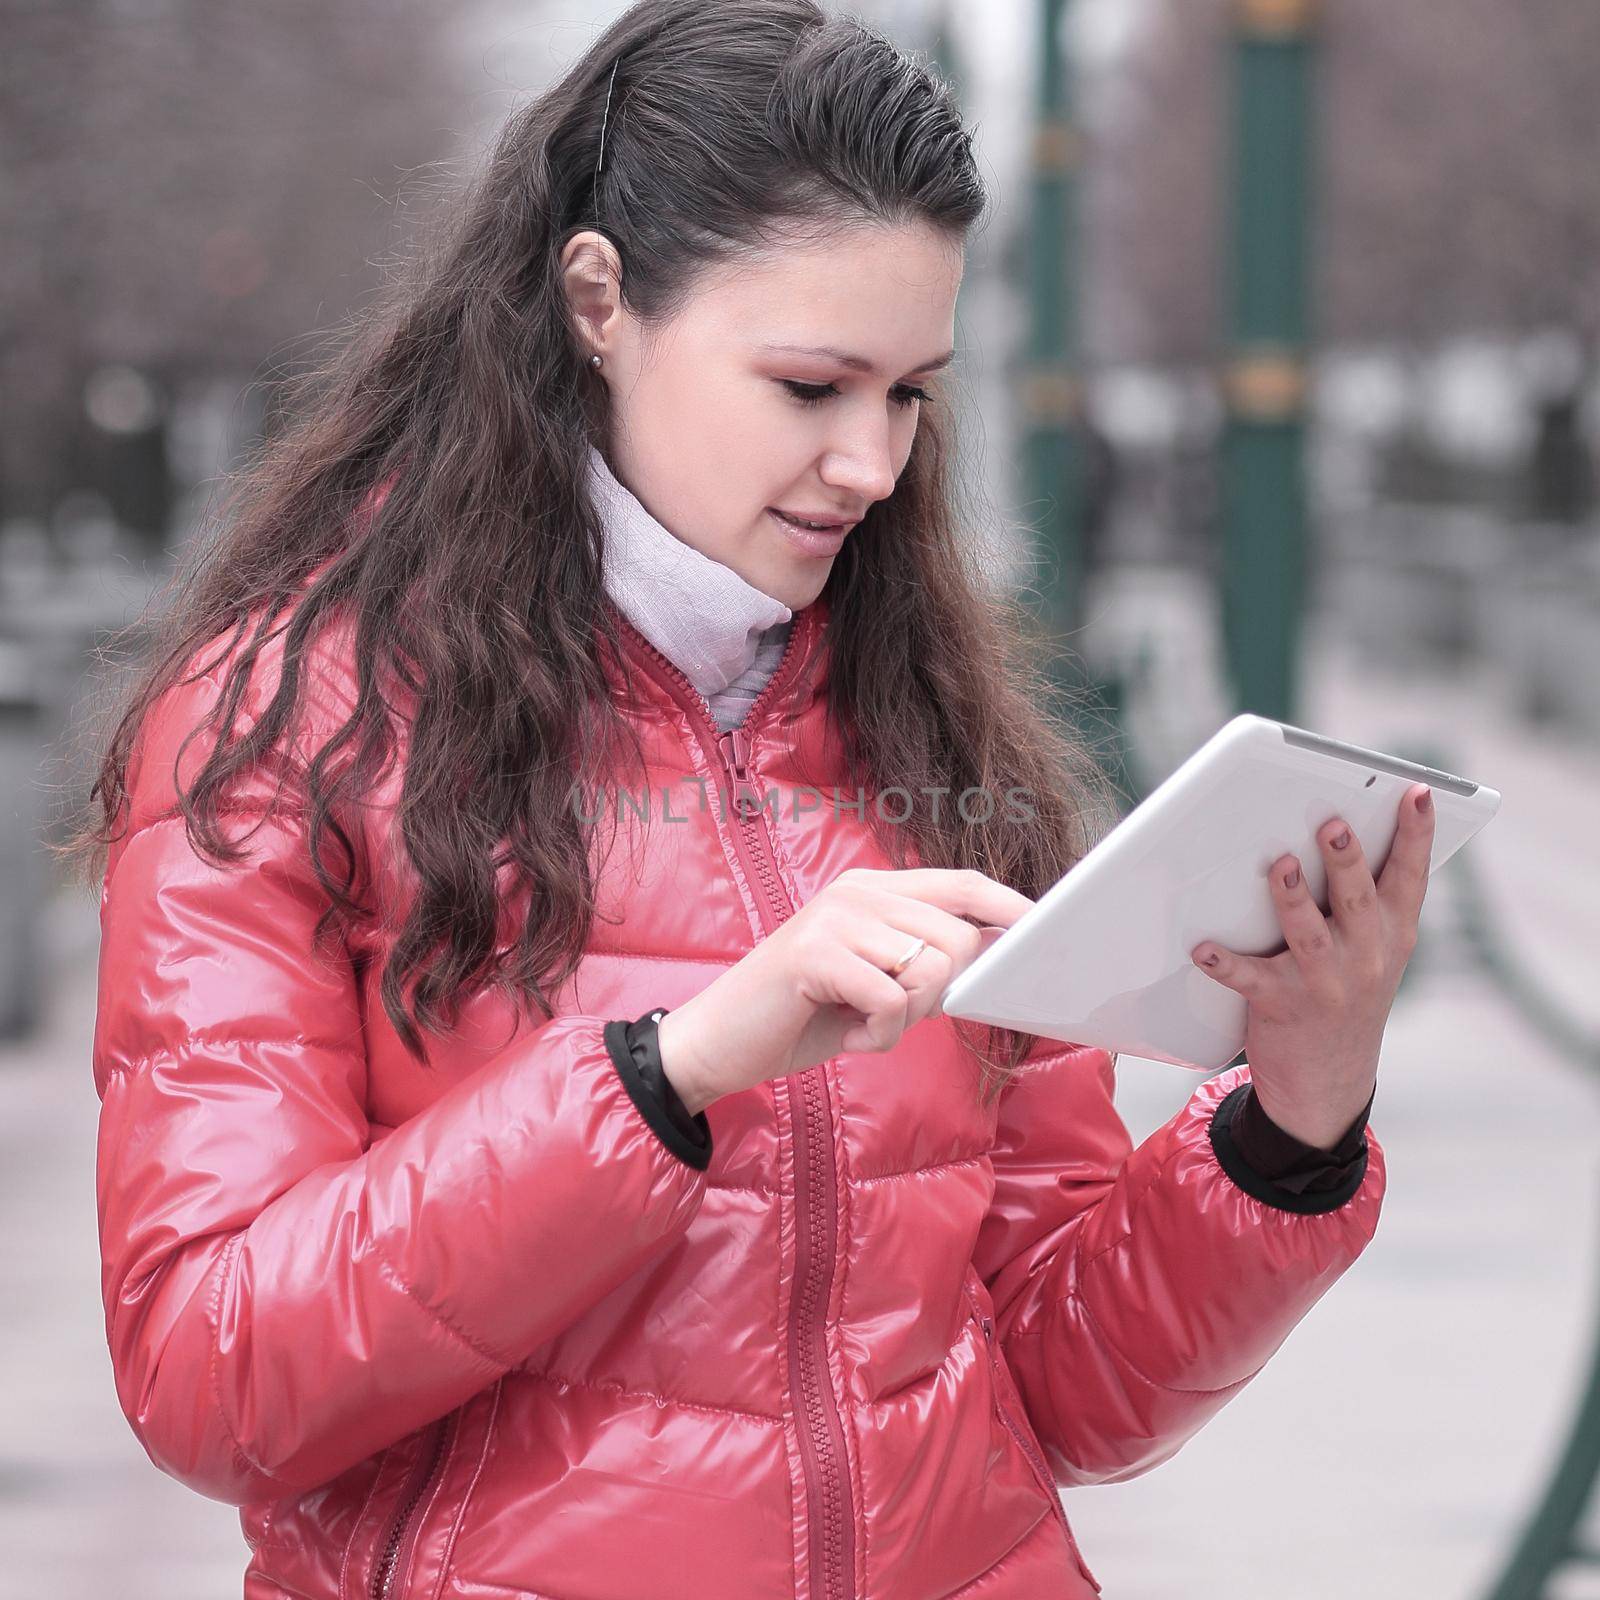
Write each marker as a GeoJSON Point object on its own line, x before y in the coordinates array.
{"type": "Point", "coordinates": [862, 466]}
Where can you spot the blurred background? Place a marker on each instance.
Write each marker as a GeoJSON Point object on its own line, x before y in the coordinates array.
{"type": "Point", "coordinates": [1279, 364]}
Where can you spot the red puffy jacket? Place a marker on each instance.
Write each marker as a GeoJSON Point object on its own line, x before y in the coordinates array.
{"type": "Point", "coordinates": [479, 1332]}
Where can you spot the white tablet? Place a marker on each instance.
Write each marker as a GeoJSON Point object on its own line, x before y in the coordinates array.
{"type": "Point", "coordinates": [1103, 957]}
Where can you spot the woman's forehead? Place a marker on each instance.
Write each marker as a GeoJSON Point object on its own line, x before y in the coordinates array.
{"type": "Point", "coordinates": [860, 295]}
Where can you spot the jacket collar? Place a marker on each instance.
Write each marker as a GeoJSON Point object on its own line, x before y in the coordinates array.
{"type": "Point", "coordinates": [791, 689]}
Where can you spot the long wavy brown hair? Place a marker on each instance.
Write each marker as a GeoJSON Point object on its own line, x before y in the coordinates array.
{"type": "Point", "coordinates": [476, 580]}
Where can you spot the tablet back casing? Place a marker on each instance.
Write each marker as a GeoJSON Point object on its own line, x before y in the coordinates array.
{"type": "Point", "coordinates": [1103, 957]}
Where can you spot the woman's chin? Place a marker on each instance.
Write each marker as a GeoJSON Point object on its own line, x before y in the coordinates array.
{"type": "Point", "coordinates": [797, 588]}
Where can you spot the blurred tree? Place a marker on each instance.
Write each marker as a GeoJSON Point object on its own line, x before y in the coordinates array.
{"type": "Point", "coordinates": [1155, 192]}
{"type": "Point", "coordinates": [1458, 184]}
{"type": "Point", "coordinates": [188, 186]}
{"type": "Point", "coordinates": [1463, 169]}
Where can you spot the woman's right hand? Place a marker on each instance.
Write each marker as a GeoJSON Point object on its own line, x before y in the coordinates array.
{"type": "Point", "coordinates": [820, 984]}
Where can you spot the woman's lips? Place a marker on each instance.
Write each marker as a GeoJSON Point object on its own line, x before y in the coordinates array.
{"type": "Point", "coordinates": [813, 541]}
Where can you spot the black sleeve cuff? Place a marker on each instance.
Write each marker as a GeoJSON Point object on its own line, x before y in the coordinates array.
{"type": "Point", "coordinates": [637, 1058]}
{"type": "Point", "coordinates": [1279, 1170]}
{"type": "Point", "coordinates": [1278, 1155]}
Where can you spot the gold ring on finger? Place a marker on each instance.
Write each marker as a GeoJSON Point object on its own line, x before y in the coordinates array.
{"type": "Point", "coordinates": [910, 956]}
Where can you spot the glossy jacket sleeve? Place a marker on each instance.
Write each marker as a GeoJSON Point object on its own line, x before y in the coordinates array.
{"type": "Point", "coordinates": [285, 1295]}
{"type": "Point", "coordinates": [1137, 1290]}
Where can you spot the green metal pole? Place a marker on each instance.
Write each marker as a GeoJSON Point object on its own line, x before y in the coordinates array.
{"type": "Point", "coordinates": [946, 59]}
{"type": "Point", "coordinates": [1052, 403]}
{"type": "Point", "coordinates": [1263, 465]}
{"type": "Point", "coordinates": [942, 49]}
{"type": "Point", "coordinates": [1050, 393]}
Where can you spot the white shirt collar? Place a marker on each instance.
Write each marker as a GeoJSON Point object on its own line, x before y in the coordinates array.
{"type": "Point", "coordinates": [697, 612]}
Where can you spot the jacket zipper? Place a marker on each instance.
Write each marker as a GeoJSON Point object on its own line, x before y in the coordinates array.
{"type": "Point", "coordinates": [403, 1524]}
{"type": "Point", "coordinates": [1035, 1460]}
{"type": "Point", "coordinates": [831, 1517]}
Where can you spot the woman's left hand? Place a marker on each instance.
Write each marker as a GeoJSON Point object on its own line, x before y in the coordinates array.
{"type": "Point", "coordinates": [1317, 1010]}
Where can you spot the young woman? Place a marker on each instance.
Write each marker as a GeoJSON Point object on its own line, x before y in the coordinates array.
{"type": "Point", "coordinates": [533, 1161]}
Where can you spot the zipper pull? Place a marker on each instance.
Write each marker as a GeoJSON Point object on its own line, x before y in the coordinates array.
{"type": "Point", "coordinates": [735, 748]}
{"type": "Point", "coordinates": [736, 751]}
{"type": "Point", "coordinates": [988, 1329]}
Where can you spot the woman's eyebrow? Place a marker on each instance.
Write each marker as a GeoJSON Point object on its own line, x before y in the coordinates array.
{"type": "Point", "coordinates": [845, 359]}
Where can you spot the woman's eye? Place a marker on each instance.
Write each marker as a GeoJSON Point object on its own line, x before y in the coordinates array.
{"type": "Point", "coordinates": [811, 394]}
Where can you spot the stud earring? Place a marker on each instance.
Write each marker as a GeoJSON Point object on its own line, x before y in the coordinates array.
{"type": "Point", "coordinates": [594, 361]}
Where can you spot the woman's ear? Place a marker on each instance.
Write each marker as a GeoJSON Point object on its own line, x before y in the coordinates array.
{"type": "Point", "coordinates": [591, 274]}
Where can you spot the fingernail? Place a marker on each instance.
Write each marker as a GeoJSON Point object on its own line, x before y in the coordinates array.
{"type": "Point", "coordinates": [1291, 878]}
{"type": "Point", "coordinates": [1339, 841]}
{"type": "Point", "coordinates": [1209, 959]}
{"type": "Point", "coordinates": [1425, 800]}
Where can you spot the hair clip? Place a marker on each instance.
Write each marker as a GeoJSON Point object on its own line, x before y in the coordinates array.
{"type": "Point", "coordinates": [599, 165]}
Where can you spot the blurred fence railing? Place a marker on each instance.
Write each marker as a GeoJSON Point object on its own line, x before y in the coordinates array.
{"type": "Point", "coordinates": [1409, 585]}
{"type": "Point", "coordinates": [1421, 583]}
{"type": "Point", "coordinates": [56, 616]}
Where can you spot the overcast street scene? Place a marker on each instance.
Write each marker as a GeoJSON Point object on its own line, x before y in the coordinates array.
{"type": "Point", "coordinates": [1278, 390]}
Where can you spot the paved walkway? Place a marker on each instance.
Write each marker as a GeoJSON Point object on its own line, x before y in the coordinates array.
{"type": "Point", "coordinates": [1389, 1448]}
{"type": "Point", "coordinates": [1392, 1445]}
